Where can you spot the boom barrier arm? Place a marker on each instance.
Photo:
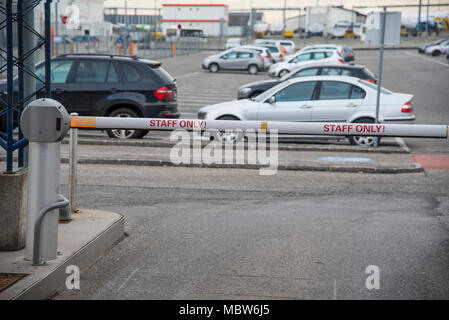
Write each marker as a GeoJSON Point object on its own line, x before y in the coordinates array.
{"type": "Point", "coordinates": [301, 128]}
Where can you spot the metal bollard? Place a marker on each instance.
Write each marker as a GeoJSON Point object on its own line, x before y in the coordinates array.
{"type": "Point", "coordinates": [44, 123]}
{"type": "Point", "coordinates": [73, 165]}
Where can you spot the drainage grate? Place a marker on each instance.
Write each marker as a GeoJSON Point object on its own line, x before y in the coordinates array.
{"type": "Point", "coordinates": [8, 279]}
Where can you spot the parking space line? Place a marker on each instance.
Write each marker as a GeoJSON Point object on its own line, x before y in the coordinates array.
{"type": "Point", "coordinates": [186, 75]}
{"type": "Point", "coordinates": [427, 59]}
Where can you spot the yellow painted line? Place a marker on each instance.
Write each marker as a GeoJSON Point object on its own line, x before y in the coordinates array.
{"type": "Point", "coordinates": [83, 122]}
{"type": "Point", "coordinates": [264, 125]}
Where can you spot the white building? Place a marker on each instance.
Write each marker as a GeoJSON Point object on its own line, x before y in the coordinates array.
{"type": "Point", "coordinates": [329, 16]}
{"type": "Point", "coordinates": [211, 18]}
{"type": "Point", "coordinates": [82, 16]}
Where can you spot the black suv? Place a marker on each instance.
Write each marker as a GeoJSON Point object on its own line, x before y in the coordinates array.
{"type": "Point", "coordinates": [253, 89]}
{"type": "Point", "coordinates": [114, 86]}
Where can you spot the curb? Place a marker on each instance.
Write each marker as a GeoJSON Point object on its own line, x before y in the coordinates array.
{"type": "Point", "coordinates": [281, 147]}
{"type": "Point", "coordinates": [330, 168]}
{"type": "Point", "coordinates": [83, 258]}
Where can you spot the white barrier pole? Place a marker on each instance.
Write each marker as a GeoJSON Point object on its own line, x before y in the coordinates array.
{"type": "Point", "coordinates": [301, 128]}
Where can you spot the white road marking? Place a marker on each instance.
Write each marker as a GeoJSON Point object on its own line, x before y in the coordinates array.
{"type": "Point", "coordinates": [427, 59]}
{"type": "Point", "coordinates": [402, 144]}
{"type": "Point", "coordinates": [186, 75]}
{"type": "Point", "coordinates": [127, 279]}
{"type": "Point", "coordinates": [335, 290]}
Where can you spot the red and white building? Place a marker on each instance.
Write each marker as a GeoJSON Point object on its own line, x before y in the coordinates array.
{"type": "Point", "coordinates": [212, 19]}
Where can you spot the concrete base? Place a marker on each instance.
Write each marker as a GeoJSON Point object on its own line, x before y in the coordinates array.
{"type": "Point", "coordinates": [80, 242]}
{"type": "Point", "coordinates": [13, 193]}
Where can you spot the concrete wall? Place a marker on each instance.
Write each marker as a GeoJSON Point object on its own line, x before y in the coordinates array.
{"type": "Point", "coordinates": [13, 193]}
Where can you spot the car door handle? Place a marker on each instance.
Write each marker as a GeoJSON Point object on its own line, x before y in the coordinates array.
{"type": "Point", "coordinates": [351, 105]}
{"type": "Point", "coordinates": [305, 106]}
{"type": "Point", "coordinates": [114, 90]}
{"type": "Point", "coordinates": [59, 91]}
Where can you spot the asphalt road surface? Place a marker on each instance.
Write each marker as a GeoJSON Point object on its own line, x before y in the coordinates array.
{"type": "Point", "coordinates": [231, 234]}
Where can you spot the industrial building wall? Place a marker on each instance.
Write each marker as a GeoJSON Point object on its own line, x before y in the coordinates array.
{"type": "Point", "coordinates": [292, 23]}
{"type": "Point", "coordinates": [194, 12]}
{"type": "Point", "coordinates": [206, 17]}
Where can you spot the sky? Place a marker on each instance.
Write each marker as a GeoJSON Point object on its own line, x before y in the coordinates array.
{"type": "Point", "coordinates": [276, 16]}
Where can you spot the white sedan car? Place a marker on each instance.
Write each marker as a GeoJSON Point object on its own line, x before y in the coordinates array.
{"type": "Point", "coordinates": [320, 99]}
{"type": "Point", "coordinates": [436, 50]}
{"type": "Point", "coordinates": [280, 69]}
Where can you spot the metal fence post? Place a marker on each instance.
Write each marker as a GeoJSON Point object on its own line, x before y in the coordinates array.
{"type": "Point", "coordinates": [73, 165]}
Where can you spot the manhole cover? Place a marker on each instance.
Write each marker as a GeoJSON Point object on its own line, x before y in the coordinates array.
{"type": "Point", "coordinates": [345, 159]}
{"type": "Point", "coordinates": [8, 279]}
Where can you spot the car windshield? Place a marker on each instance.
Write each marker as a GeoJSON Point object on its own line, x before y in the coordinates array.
{"type": "Point", "coordinates": [374, 87]}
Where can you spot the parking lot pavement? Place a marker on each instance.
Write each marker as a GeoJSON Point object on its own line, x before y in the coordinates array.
{"type": "Point", "coordinates": [323, 160]}
{"type": "Point", "coordinates": [228, 233]}
{"type": "Point", "coordinates": [425, 77]}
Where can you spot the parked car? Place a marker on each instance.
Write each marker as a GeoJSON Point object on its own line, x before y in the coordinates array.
{"type": "Point", "coordinates": [438, 49]}
{"type": "Point", "coordinates": [85, 39]}
{"type": "Point", "coordinates": [346, 52]}
{"type": "Point", "coordinates": [304, 58]}
{"type": "Point", "coordinates": [253, 89]}
{"type": "Point", "coordinates": [321, 99]}
{"type": "Point", "coordinates": [288, 45]}
{"type": "Point", "coordinates": [232, 43]}
{"type": "Point", "coordinates": [235, 59]}
{"type": "Point", "coordinates": [264, 52]}
{"type": "Point", "coordinates": [422, 49]}
{"type": "Point", "coordinates": [275, 52]}
{"type": "Point", "coordinates": [113, 86]}
{"type": "Point", "coordinates": [447, 55]}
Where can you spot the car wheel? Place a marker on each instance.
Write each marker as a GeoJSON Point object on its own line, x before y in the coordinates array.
{"type": "Point", "coordinates": [283, 73]}
{"type": "Point", "coordinates": [252, 69]}
{"type": "Point", "coordinates": [363, 141]}
{"type": "Point", "coordinates": [227, 137]}
{"type": "Point", "coordinates": [213, 67]}
{"type": "Point", "coordinates": [436, 53]}
{"type": "Point", "coordinates": [125, 133]}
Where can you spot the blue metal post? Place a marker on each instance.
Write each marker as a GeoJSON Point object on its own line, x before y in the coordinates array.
{"type": "Point", "coordinates": [20, 55]}
{"type": "Point", "coordinates": [47, 49]}
{"type": "Point", "coordinates": [9, 85]}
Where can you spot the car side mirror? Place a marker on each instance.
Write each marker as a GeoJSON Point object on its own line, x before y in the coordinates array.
{"type": "Point", "coordinates": [271, 99]}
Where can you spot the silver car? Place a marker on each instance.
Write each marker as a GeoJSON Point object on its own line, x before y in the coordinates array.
{"type": "Point", "coordinates": [235, 59]}
{"type": "Point", "coordinates": [320, 99]}
{"type": "Point", "coordinates": [264, 52]}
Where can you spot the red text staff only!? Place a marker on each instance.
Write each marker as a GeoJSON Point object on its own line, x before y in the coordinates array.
{"type": "Point", "coordinates": [169, 123]}
{"type": "Point", "coordinates": [347, 128]}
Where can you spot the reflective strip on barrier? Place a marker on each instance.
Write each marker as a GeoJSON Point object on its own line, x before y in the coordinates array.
{"type": "Point", "coordinates": [300, 128]}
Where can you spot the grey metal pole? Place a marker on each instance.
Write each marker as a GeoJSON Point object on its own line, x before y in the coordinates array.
{"type": "Point", "coordinates": [29, 82]}
{"type": "Point", "coordinates": [283, 16]}
{"type": "Point", "coordinates": [125, 40]}
{"type": "Point", "coordinates": [381, 57]}
{"type": "Point", "coordinates": [56, 27]}
{"type": "Point", "coordinates": [419, 16]}
{"type": "Point", "coordinates": [73, 165]}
